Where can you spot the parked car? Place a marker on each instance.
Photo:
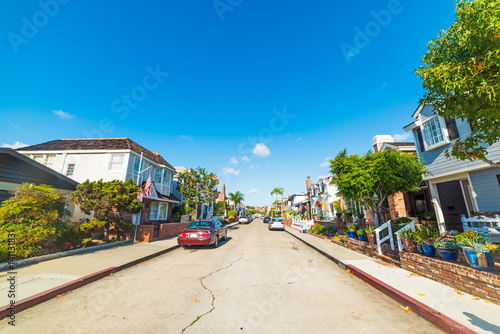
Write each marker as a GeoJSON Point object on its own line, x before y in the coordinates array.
{"type": "Point", "coordinates": [267, 220]}
{"type": "Point", "coordinates": [203, 232]}
{"type": "Point", "coordinates": [276, 224]}
{"type": "Point", "coordinates": [243, 220]}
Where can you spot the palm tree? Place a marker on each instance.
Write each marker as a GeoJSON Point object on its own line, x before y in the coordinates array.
{"type": "Point", "coordinates": [277, 191]}
{"type": "Point", "coordinates": [237, 198]}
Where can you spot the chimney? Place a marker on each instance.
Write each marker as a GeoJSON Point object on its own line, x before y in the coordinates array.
{"type": "Point", "coordinates": [224, 189]}
{"type": "Point", "coordinates": [308, 183]}
{"type": "Point", "coordinates": [379, 140]}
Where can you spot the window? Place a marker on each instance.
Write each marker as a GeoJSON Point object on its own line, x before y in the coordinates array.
{"type": "Point", "coordinates": [50, 160]}
{"type": "Point", "coordinates": [433, 133]}
{"type": "Point", "coordinates": [38, 158]}
{"type": "Point", "coordinates": [116, 162]}
{"type": "Point", "coordinates": [498, 179]}
{"type": "Point", "coordinates": [70, 170]}
{"type": "Point", "coordinates": [166, 177]}
{"type": "Point", "coordinates": [158, 173]}
{"type": "Point", "coordinates": [158, 211]}
{"type": "Point", "coordinates": [153, 213]}
{"type": "Point", "coordinates": [136, 165]}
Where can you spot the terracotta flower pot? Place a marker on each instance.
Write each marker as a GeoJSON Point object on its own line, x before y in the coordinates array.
{"type": "Point", "coordinates": [410, 245]}
{"type": "Point", "coordinates": [371, 238]}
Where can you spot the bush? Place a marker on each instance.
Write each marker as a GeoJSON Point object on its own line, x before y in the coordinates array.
{"type": "Point", "coordinates": [231, 213]}
{"type": "Point", "coordinates": [33, 215]}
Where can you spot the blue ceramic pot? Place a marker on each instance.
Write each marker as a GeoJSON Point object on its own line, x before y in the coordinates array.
{"type": "Point", "coordinates": [351, 235]}
{"type": "Point", "coordinates": [361, 237]}
{"type": "Point", "coordinates": [448, 255]}
{"type": "Point", "coordinates": [429, 250]}
{"type": "Point", "coordinates": [478, 261]}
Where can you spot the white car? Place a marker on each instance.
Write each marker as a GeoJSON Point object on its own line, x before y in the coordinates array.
{"type": "Point", "coordinates": [243, 219]}
{"type": "Point", "coordinates": [276, 224]}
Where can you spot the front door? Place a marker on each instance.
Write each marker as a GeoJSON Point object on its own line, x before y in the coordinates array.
{"type": "Point", "coordinates": [453, 203]}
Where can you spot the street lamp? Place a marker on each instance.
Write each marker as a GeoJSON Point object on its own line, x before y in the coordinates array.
{"type": "Point", "coordinates": [375, 199]}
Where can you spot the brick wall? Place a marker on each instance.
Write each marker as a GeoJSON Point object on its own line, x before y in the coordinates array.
{"type": "Point", "coordinates": [364, 247]}
{"type": "Point", "coordinates": [478, 283]}
{"type": "Point", "coordinates": [145, 232]}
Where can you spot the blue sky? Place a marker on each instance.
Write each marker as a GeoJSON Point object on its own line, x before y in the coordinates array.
{"type": "Point", "coordinates": [204, 82]}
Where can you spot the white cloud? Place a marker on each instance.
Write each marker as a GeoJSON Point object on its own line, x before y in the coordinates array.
{"type": "Point", "coordinates": [245, 158]}
{"type": "Point", "coordinates": [261, 150]}
{"type": "Point", "coordinates": [253, 191]}
{"type": "Point", "coordinates": [62, 115]}
{"type": "Point", "coordinates": [403, 137]}
{"type": "Point", "coordinates": [14, 146]}
{"type": "Point", "coordinates": [325, 163]}
{"type": "Point", "coordinates": [184, 137]}
{"type": "Point", "coordinates": [231, 171]}
{"type": "Point", "coordinates": [299, 139]}
{"type": "Point", "coordinates": [234, 160]}
{"type": "Point", "coordinates": [254, 167]}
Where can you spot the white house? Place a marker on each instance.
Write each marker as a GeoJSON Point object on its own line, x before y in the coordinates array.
{"type": "Point", "coordinates": [111, 159]}
{"type": "Point", "coordinates": [456, 187]}
{"type": "Point", "coordinates": [322, 194]}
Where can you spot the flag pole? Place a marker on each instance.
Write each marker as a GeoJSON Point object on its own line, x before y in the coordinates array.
{"type": "Point", "coordinates": [137, 182]}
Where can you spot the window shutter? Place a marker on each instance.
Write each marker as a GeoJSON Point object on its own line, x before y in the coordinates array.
{"type": "Point", "coordinates": [420, 140]}
{"type": "Point", "coordinates": [451, 124]}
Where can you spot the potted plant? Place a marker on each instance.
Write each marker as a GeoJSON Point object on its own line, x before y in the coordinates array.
{"type": "Point", "coordinates": [448, 249]}
{"type": "Point", "coordinates": [427, 236]}
{"type": "Point", "coordinates": [370, 234]}
{"type": "Point", "coordinates": [351, 230]}
{"type": "Point", "coordinates": [409, 242]}
{"type": "Point", "coordinates": [361, 234]}
{"type": "Point", "coordinates": [477, 251]}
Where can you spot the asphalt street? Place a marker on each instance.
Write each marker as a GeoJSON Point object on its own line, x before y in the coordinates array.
{"type": "Point", "coordinates": [258, 281]}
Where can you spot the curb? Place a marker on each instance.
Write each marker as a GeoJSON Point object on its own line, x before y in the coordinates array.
{"type": "Point", "coordinates": [21, 263]}
{"type": "Point", "coordinates": [447, 324]}
{"type": "Point", "coordinates": [64, 288]}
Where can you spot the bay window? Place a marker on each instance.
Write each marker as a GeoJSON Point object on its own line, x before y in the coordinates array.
{"type": "Point", "coordinates": [116, 162]}
{"type": "Point", "coordinates": [433, 133]}
{"type": "Point", "coordinates": [158, 211]}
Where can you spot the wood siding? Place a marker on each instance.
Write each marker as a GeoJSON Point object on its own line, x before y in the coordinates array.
{"type": "Point", "coordinates": [439, 165]}
{"type": "Point", "coordinates": [487, 189]}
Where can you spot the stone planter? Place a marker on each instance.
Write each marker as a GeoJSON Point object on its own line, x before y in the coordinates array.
{"type": "Point", "coordinates": [371, 238]}
{"type": "Point", "coordinates": [410, 245]}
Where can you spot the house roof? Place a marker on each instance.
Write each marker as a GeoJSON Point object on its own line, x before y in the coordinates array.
{"type": "Point", "coordinates": [97, 144]}
{"type": "Point", "coordinates": [403, 144]}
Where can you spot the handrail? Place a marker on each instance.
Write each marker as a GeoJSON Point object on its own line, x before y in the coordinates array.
{"type": "Point", "coordinates": [388, 236]}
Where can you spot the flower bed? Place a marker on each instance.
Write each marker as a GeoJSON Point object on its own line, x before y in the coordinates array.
{"type": "Point", "coordinates": [482, 284]}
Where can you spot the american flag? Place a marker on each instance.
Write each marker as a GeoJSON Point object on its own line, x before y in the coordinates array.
{"type": "Point", "coordinates": [147, 188]}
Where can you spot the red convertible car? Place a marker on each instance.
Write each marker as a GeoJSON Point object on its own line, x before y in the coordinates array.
{"type": "Point", "coordinates": [203, 232]}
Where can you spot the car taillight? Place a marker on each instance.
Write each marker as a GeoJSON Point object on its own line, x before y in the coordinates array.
{"type": "Point", "coordinates": [183, 234]}
{"type": "Point", "coordinates": [204, 234]}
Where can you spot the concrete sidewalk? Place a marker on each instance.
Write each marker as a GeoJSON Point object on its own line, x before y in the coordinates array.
{"type": "Point", "coordinates": [434, 301]}
{"type": "Point", "coordinates": [57, 275]}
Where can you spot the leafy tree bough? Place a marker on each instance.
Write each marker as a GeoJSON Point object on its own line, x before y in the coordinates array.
{"type": "Point", "coordinates": [383, 173]}
{"type": "Point", "coordinates": [198, 187]}
{"type": "Point", "coordinates": [461, 76]}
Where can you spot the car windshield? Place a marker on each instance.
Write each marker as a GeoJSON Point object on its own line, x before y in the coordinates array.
{"type": "Point", "coordinates": [201, 224]}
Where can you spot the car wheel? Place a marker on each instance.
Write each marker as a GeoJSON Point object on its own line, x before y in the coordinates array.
{"type": "Point", "coordinates": [225, 236]}
{"type": "Point", "coordinates": [216, 243]}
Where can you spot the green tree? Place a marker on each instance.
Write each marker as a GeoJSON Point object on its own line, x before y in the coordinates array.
{"type": "Point", "coordinates": [236, 198]}
{"type": "Point", "coordinates": [109, 201]}
{"type": "Point", "coordinates": [277, 191]}
{"type": "Point", "coordinates": [33, 215]}
{"type": "Point", "coordinates": [383, 173]}
{"type": "Point", "coordinates": [198, 187]}
{"type": "Point", "coordinates": [461, 76]}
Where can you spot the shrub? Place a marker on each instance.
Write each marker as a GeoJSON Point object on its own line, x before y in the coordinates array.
{"type": "Point", "coordinates": [231, 213]}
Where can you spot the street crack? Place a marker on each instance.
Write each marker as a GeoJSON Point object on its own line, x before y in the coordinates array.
{"type": "Point", "coordinates": [211, 293]}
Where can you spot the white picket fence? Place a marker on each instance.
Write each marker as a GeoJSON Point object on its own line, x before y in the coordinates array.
{"type": "Point", "coordinates": [302, 224]}
{"type": "Point", "coordinates": [489, 228]}
{"type": "Point", "coordinates": [410, 226]}
{"type": "Point", "coordinates": [387, 226]}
